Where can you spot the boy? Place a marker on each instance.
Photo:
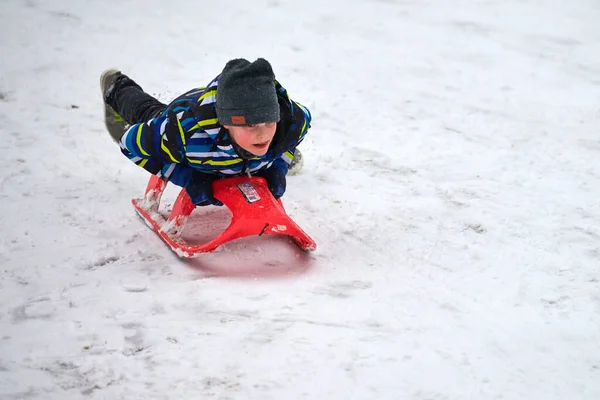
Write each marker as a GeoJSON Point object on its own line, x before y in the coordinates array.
{"type": "Point", "coordinates": [243, 122]}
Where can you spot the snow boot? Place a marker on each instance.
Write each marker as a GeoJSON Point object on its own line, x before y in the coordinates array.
{"type": "Point", "coordinates": [115, 124]}
{"type": "Point", "coordinates": [296, 164]}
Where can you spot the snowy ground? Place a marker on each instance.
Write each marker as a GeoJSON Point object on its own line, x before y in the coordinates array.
{"type": "Point", "coordinates": [452, 183]}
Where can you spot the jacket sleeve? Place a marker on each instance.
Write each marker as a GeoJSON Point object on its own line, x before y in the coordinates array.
{"type": "Point", "coordinates": [301, 125]}
{"type": "Point", "coordinates": [158, 145]}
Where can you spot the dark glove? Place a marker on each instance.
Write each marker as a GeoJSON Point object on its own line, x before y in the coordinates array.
{"type": "Point", "coordinates": [199, 188]}
{"type": "Point", "coordinates": [180, 175]}
{"type": "Point", "coordinates": [275, 180]}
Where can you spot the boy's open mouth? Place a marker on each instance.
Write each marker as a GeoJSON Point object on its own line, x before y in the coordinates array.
{"type": "Point", "coordinates": [262, 145]}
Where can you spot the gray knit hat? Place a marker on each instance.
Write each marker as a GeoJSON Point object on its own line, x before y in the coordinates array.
{"type": "Point", "coordinates": [246, 93]}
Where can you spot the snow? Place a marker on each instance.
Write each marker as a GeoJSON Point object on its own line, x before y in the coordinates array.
{"type": "Point", "coordinates": [451, 182]}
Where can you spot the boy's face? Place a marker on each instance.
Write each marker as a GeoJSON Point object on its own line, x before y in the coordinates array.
{"type": "Point", "coordinates": [255, 139]}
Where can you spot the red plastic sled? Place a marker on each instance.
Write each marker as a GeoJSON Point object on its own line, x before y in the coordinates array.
{"type": "Point", "coordinates": [254, 212]}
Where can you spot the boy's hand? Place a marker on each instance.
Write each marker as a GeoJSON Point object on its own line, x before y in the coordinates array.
{"type": "Point", "coordinates": [275, 180]}
{"type": "Point", "coordinates": [200, 190]}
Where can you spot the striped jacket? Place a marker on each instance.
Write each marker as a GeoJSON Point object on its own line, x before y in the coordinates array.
{"type": "Point", "coordinates": [187, 134]}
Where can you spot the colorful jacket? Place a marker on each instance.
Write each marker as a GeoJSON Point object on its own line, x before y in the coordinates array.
{"type": "Point", "coordinates": [187, 134]}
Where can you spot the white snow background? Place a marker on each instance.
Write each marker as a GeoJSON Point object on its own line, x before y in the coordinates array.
{"type": "Point", "coordinates": [451, 182]}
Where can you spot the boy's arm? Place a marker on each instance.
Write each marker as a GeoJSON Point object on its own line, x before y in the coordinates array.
{"type": "Point", "coordinates": [302, 125]}
{"type": "Point", "coordinates": [276, 173]}
{"type": "Point", "coordinates": [159, 144]}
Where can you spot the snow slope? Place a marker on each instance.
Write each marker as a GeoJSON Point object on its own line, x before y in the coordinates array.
{"type": "Point", "coordinates": [451, 182]}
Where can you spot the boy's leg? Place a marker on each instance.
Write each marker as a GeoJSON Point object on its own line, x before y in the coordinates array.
{"type": "Point", "coordinates": [125, 102]}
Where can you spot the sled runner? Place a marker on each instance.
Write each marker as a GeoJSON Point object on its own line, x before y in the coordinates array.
{"type": "Point", "coordinates": [254, 212]}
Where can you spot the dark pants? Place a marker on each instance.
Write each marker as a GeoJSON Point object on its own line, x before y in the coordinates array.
{"type": "Point", "coordinates": [132, 103]}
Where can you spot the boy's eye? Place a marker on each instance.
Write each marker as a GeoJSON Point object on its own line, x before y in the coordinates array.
{"type": "Point", "coordinates": [251, 125]}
